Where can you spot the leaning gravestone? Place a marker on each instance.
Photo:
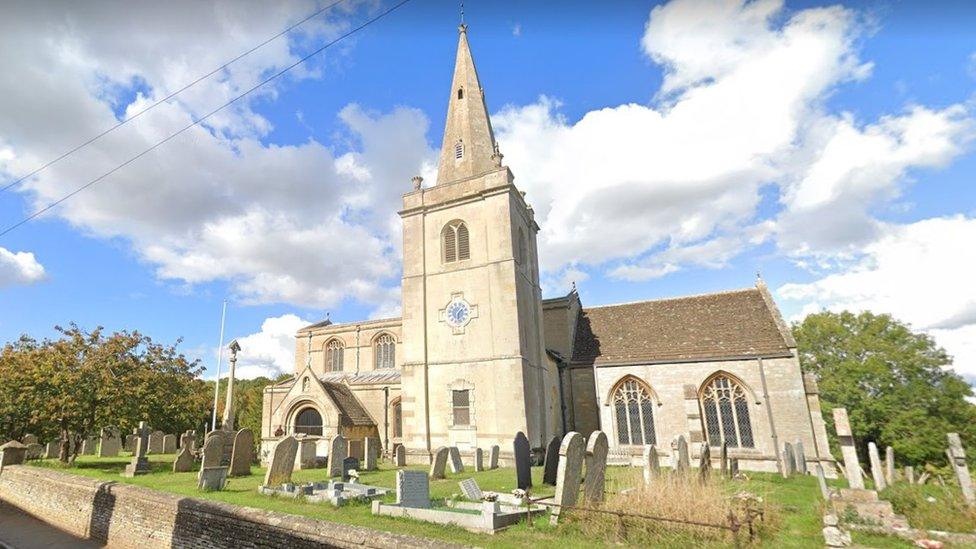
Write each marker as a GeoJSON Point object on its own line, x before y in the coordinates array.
{"type": "Point", "coordinates": [337, 453]}
{"type": "Point", "coordinates": [140, 463]}
{"type": "Point", "coordinates": [597, 448]}
{"type": "Point", "coordinates": [412, 489]}
{"type": "Point", "coordinates": [89, 446]}
{"type": "Point", "coordinates": [801, 457]}
{"type": "Point", "coordinates": [439, 462]}
{"type": "Point", "coordinates": [457, 466]}
{"type": "Point", "coordinates": [845, 437]}
{"type": "Point", "coordinates": [877, 472]}
{"type": "Point", "coordinates": [282, 463]}
{"type": "Point", "coordinates": [184, 461]}
{"type": "Point", "coordinates": [371, 452]}
{"type": "Point", "coordinates": [169, 444]}
{"type": "Point", "coordinates": [479, 459]}
{"type": "Point", "coordinates": [400, 455]}
{"type": "Point", "coordinates": [493, 456]}
{"type": "Point", "coordinates": [568, 475]}
{"type": "Point", "coordinates": [471, 490]}
{"type": "Point", "coordinates": [242, 454]}
{"type": "Point", "coordinates": [957, 459]}
{"type": "Point", "coordinates": [652, 465]}
{"type": "Point", "coordinates": [789, 460]}
{"type": "Point", "coordinates": [523, 461]}
{"type": "Point", "coordinates": [684, 460]}
{"type": "Point", "coordinates": [822, 482]}
{"type": "Point", "coordinates": [552, 462]}
{"type": "Point", "coordinates": [704, 462]}
{"type": "Point", "coordinates": [109, 442]}
{"type": "Point", "coordinates": [156, 442]}
{"type": "Point", "coordinates": [213, 450]}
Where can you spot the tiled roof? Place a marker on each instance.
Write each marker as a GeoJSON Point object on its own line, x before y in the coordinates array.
{"type": "Point", "coordinates": [721, 325]}
{"type": "Point", "coordinates": [352, 411]}
{"type": "Point", "coordinates": [332, 325]}
{"type": "Point", "coordinates": [383, 375]}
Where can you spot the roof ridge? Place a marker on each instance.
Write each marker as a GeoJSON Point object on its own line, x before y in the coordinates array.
{"type": "Point", "coordinates": [677, 298]}
{"type": "Point", "coordinates": [352, 323]}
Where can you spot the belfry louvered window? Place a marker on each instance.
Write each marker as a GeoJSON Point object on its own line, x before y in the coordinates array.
{"type": "Point", "coordinates": [458, 150]}
{"type": "Point", "coordinates": [461, 407]}
{"type": "Point", "coordinates": [725, 405]}
{"type": "Point", "coordinates": [385, 351]}
{"type": "Point", "coordinates": [333, 356]}
{"type": "Point", "coordinates": [455, 243]}
{"type": "Point", "coordinates": [633, 412]}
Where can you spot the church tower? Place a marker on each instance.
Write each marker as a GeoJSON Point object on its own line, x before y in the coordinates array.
{"type": "Point", "coordinates": [474, 368]}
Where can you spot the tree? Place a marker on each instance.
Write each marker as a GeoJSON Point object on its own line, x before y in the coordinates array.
{"type": "Point", "coordinates": [894, 383]}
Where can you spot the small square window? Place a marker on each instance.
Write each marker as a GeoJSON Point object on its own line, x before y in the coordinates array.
{"type": "Point", "coordinates": [461, 401]}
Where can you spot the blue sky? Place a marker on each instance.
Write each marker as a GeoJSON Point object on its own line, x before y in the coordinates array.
{"type": "Point", "coordinates": [870, 111]}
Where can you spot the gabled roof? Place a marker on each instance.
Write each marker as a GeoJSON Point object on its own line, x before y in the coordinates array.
{"type": "Point", "coordinates": [352, 411]}
{"type": "Point", "coordinates": [734, 324]}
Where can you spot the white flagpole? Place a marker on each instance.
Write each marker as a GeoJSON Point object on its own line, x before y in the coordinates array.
{"type": "Point", "coordinates": [220, 354]}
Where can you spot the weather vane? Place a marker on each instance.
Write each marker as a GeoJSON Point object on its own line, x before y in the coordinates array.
{"type": "Point", "coordinates": [462, 12]}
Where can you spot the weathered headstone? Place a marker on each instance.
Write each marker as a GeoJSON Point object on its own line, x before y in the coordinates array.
{"type": "Point", "coordinates": [889, 465]}
{"type": "Point", "coordinates": [957, 459]}
{"type": "Point", "coordinates": [35, 451]}
{"type": "Point", "coordinates": [52, 449]}
{"type": "Point", "coordinates": [110, 442]}
{"type": "Point", "coordinates": [156, 442]}
{"type": "Point", "coordinates": [877, 472]}
{"type": "Point", "coordinates": [523, 461]}
{"type": "Point", "coordinates": [140, 463]}
{"type": "Point", "coordinates": [652, 464]}
{"type": "Point", "coordinates": [822, 482]}
{"type": "Point", "coordinates": [282, 463]}
{"type": "Point", "coordinates": [412, 489]}
{"type": "Point", "coordinates": [400, 455]}
{"type": "Point", "coordinates": [801, 457]}
{"type": "Point", "coordinates": [130, 443]}
{"type": "Point", "coordinates": [789, 460]}
{"type": "Point", "coordinates": [923, 478]}
{"type": "Point", "coordinates": [846, 439]}
{"type": "Point", "coordinates": [723, 458]}
{"type": "Point", "coordinates": [479, 459]}
{"type": "Point", "coordinates": [212, 479]}
{"type": "Point", "coordinates": [552, 462]}
{"type": "Point", "coordinates": [439, 462]}
{"type": "Point", "coordinates": [909, 474]}
{"type": "Point", "coordinates": [337, 453]}
{"type": "Point", "coordinates": [213, 451]}
{"type": "Point", "coordinates": [243, 453]}
{"type": "Point", "coordinates": [306, 457]}
{"type": "Point", "coordinates": [89, 446]}
{"type": "Point", "coordinates": [493, 456]}
{"type": "Point", "coordinates": [571, 453]}
{"type": "Point", "coordinates": [456, 465]}
{"type": "Point", "coordinates": [371, 453]}
{"type": "Point", "coordinates": [683, 459]}
{"type": "Point", "coordinates": [189, 440]}
{"type": "Point", "coordinates": [169, 444]}
{"type": "Point", "coordinates": [349, 464]}
{"type": "Point", "coordinates": [183, 462]}
{"type": "Point", "coordinates": [12, 453]}
{"type": "Point", "coordinates": [594, 483]}
{"type": "Point", "coordinates": [704, 462]}
{"type": "Point", "coordinates": [733, 467]}
{"type": "Point", "coordinates": [471, 490]}
{"type": "Point", "coordinates": [29, 439]}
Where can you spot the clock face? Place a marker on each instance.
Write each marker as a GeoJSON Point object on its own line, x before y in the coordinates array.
{"type": "Point", "coordinates": [457, 313]}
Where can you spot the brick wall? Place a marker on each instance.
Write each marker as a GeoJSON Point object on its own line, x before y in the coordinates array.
{"type": "Point", "coordinates": [131, 516]}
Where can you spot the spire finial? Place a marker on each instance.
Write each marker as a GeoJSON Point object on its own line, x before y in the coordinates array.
{"type": "Point", "coordinates": [462, 13]}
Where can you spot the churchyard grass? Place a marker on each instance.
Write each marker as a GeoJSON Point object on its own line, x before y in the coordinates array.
{"type": "Point", "coordinates": [947, 510]}
{"type": "Point", "coordinates": [794, 507]}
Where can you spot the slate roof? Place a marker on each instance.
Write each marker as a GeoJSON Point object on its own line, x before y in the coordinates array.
{"type": "Point", "coordinates": [352, 411]}
{"type": "Point", "coordinates": [725, 325]}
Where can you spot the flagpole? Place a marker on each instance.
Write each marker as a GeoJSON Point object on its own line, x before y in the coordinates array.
{"type": "Point", "coordinates": [220, 354]}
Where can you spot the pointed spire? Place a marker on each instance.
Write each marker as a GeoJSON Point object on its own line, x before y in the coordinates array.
{"type": "Point", "coordinates": [469, 146]}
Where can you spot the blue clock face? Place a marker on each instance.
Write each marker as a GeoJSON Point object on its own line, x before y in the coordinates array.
{"type": "Point", "coordinates": [458, 313]}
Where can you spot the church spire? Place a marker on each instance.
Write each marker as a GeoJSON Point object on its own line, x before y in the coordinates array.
{"type": "Point", "coordinates": [469, 146]}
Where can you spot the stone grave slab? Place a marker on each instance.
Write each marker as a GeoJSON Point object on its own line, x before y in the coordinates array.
{"type": "Point", "coordinates": [413, 489]}
{"type": "Point", "coordinates": [212, 479]}
{"type": "Point", "coordinates": [493, 456]}
{"type": "Point", "coordinates": [552, 462]}
{"type": "Point", "coordinates": [337, 454]}
{"type": "Point", "coordinates": [457, 466]}
{"type": "Point", "coordinates": [110, 442]}
{"type": "Point", "coordinates": [877, 471]}
{"type": "Point", "coordinates": [169, 444]}
{"type": "Point", "coordinates": [470, 489]}
{"type": "Point", "coordinates": [400, 456]}
{"type": "Point", "coordinates": [183, 462]}
{"type": "Point", "coordinates": [523, 461]}
{"type": "Point", "coordinates": [852, 468]}
{"type": "Point", "coordinates": [282, 463]}
{"type": "Point", "coordinates": [438, 463]}
{"type": "Point", "coordinates": [651, 463]}
{"type": "Point", "coordinates": [571, 454]}
{"type": "Point", "coordinates": [156, 442]}
{"type": "Point", "coordinates": [594, 483]}
{"type": "Point", "coordinates": [242, 454]}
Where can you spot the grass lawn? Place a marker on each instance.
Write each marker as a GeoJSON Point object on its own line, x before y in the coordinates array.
{"type": "Point", "coordinates": [794, 506]}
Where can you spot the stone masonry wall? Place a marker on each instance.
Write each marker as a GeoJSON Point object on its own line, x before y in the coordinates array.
{"type": "Point", "coordinates": [131, 516]}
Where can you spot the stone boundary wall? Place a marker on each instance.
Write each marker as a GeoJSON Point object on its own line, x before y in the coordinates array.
{"type": "Point", "coordinates": [124, 515]}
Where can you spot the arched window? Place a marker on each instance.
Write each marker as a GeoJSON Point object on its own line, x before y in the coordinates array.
{"type": "Point", "coordinates": [397, 413]}
{"type": "Point", "coordinates": [633, 413]}
{"type": "Point", "coordinates": [455, 243]}
{"type": "Point", "coordinates": [458, 150]}
{"type": "Point", "coordinates": [725, 405]}
{"type": "Point", "coordinates": [309, 422]}
{"type": "Point", "coordinates": [384, 351]}
{"type": "Point", "coordinates": [333, 356]}
{"type": "Point", "coordinates": [460, 93]}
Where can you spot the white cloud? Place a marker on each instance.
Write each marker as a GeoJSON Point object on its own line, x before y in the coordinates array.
{"type": "Point", "coordinates": [17, 268]}
{"type": "Point", "coordinates": [270, 352]}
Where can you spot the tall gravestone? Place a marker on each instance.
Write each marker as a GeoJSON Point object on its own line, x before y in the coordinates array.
{"type": "Point", "coordinates": [337, 453]}
{"type": "Point", "coordinates": [909, 474]}
{"type": "Point", "coordinates": [89, 446]}
{"type": "Point", "coordinates": [184, 461]}
{"type": "Point", "coordinates": [704, 462]}
{"type": "Point", "coordinates": [822, 482]}
{"type": "Point", "coordinates": [957, 459]}
{"type": "Point", "coordinates": [594, 483]}
{"type": "Point", "coordinates": [52, 449]}
{"type": "Point", "coordinates": [877, 472]}
{"type": "Point", "coordinates": [493, 456]}
{"type": "Point", "coordinates": [723, 458]}
{"type": "Point", "coordinates": [852, 468]}
{"type": "Point", "coordinates": [571, 453]}
{"type": "Point", "coordinates": [400, 455]}
{"type": "Point", "coordinates": [801, 457]}
{"type": "Point", "coordinates": [683, 459]}
{"type": "Point", "coordinates": [552, 462]}
{"type": "Point", "coordinates": [213, 451]}
{"type": "Point", "coordinates": [188, 440]}
{"type": "Point", "coordinates": [242, 454]}
{"type": "Point", "coordinates": [439, 462]}
{"type": "Point", "coordinates": [523, 461]}
{"type": "Point", "coordinates": [282, 463]}
{"type": "Point", "coordinates": [412, 489]}
{"type": "Point", "coordinates": [652, 464]}
{"type": "Point", "coordinates": [110, 442]}
{"type": "Point", "coordinates": [306, 457]}
{"type": "Point", "coordinates": [479, 459]}
{"type": "Point", "coordinates": [457, 466]}
{"type": "Point", "coordinates": [169, 444]}
{"type": "Point", "coordinates": [140, 463]}
{"type": "Point", "coordinates": [371, 453]}
{"type": "Point", "coordinates": [789, 460]}
{"type": "Point", "coordinates": [889, 464]}
{"type": "Point", "coordinates": [156, 442]}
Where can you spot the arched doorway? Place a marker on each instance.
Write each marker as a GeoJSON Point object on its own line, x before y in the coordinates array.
{"type": "Point", "coordinates": [309, 422]}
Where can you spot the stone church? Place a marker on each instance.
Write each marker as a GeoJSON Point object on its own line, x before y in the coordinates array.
{"type": "Point", "coordinates": [478, 355]}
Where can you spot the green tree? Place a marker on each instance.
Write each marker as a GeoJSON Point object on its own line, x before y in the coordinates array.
{"type": "Point", "coordinates": [894, 383]}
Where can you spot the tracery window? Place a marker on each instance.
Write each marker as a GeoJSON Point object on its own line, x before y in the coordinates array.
{"type": "Point", "coordinates": [333, 356]}
{"type": "Point", "coordinates": [633, 412]}
{"type": "Point", "coordinates": [725, 405]}
{"type": "Point", "coordinates": [455, 243]}
{"type": "Point", "coordinates": [309, 422]}
{"type": "Point", "coordinates": [384, 351]}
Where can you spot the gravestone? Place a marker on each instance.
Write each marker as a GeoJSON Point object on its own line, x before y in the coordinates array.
{"type": "Point", "coordinates": [845, 437]}
{"type": "Point", "coordinates": [189, 440]}
{"type": "Point", "coordinates": [354, 448]}
{"type": "Point", "coordinates": [877, 472]}
{"type": "Point", "coordinates": [552, 462]}
{"type": "Point", "coordinates": [822, 482]}
{"type": "Point", "coordinates": [571, 453]}
{"type": "Point", "coordinates": [479, 459]}
{"type": "Point", "coordinates": [493, 456]}
{"type": "Point", "coordinates": [470, 489]}
{"type": "Point", "coordinates": [184, 461]}
{"type": "Point", "coordinates": [789, 460]}
{"type": "Point", "coordinates": [140, 463]}
{"type": "Point", "coordinates": [412, 489]}
{"type": "Point", "coordinates": [723, 458]}
{"type": "Point", "coordinates": [212, 479]}
{"type": "Point", "coordinates": [456, 465]}
{"type": "Point", "coordinates": [52, 449]}
{"type": "Point", "coordinates": [130, 443]}
{"type": "Point", "coordinates": [35, 451]}
{"type": "Point", "coordinates": [282, 463]}
{"type": "Point", "coordinates": [337, 453]}
{"type": "Point", "coordinates": [704, 463]}
{"type": "Point", "coordinates": [439, 463]}
{"type": "Point", "coordinates": [371, 453]}
{"type": "Point", "coordinates": [594, 483]}
{"type": "Point", "coordinates": [909, 474]}
{"type": "Point", "coordinates": [523, 461]}
{"type": "Point", "coordinates": [889, 464]}
{"type": "Point", "coordinates": [349, 464]}
{"type": "Point", "coordinates": [306, 457]}
{"type": "Point", "coordinates": [684, 461]}
{"type": "Point", "coordinates": [801, 457]}
{"type": "Point", "coordinates": [226, 439]}
{"type": "Point", "coordinates": [29, 439]}
{"type": "Point", "coordinates": [652, 464]}
{"type": "Point", "coordinates": [169, 444]}
{"type": "Point", "coordinates": [242, 454]}
{"type": "Point", "coordinates": [957, 459]}
{"type": "Point", "coordinates": [400, 456]}
{"type": "Point", "coordinates": [923, 478]}
{"type": "Point", "coordinates": [12, 453]}
{"type": "Point", "coordinates": [213, 451]}
{"type": "Point", "coordinates": [733, 467]}
{"type": "Point", "coordinates": [156, 442]}
{"type": "Point", "coordinates": [110, 442]}
{"type": "Point", "coordinates": [89, 446]}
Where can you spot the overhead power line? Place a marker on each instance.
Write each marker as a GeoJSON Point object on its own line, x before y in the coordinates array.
{"type": "Point", "coordinates": [170, 96]}
{"type": "Point", "coordinates": [201, 119]}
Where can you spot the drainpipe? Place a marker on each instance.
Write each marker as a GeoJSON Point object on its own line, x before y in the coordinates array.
{"type": "Point", "coordinates": [769, 412]}
{"type": "Point", "coordinates": [386, 418]}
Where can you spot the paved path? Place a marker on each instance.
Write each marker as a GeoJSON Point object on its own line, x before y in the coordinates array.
{"type": "Point", "coordinates": [19, 530]}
